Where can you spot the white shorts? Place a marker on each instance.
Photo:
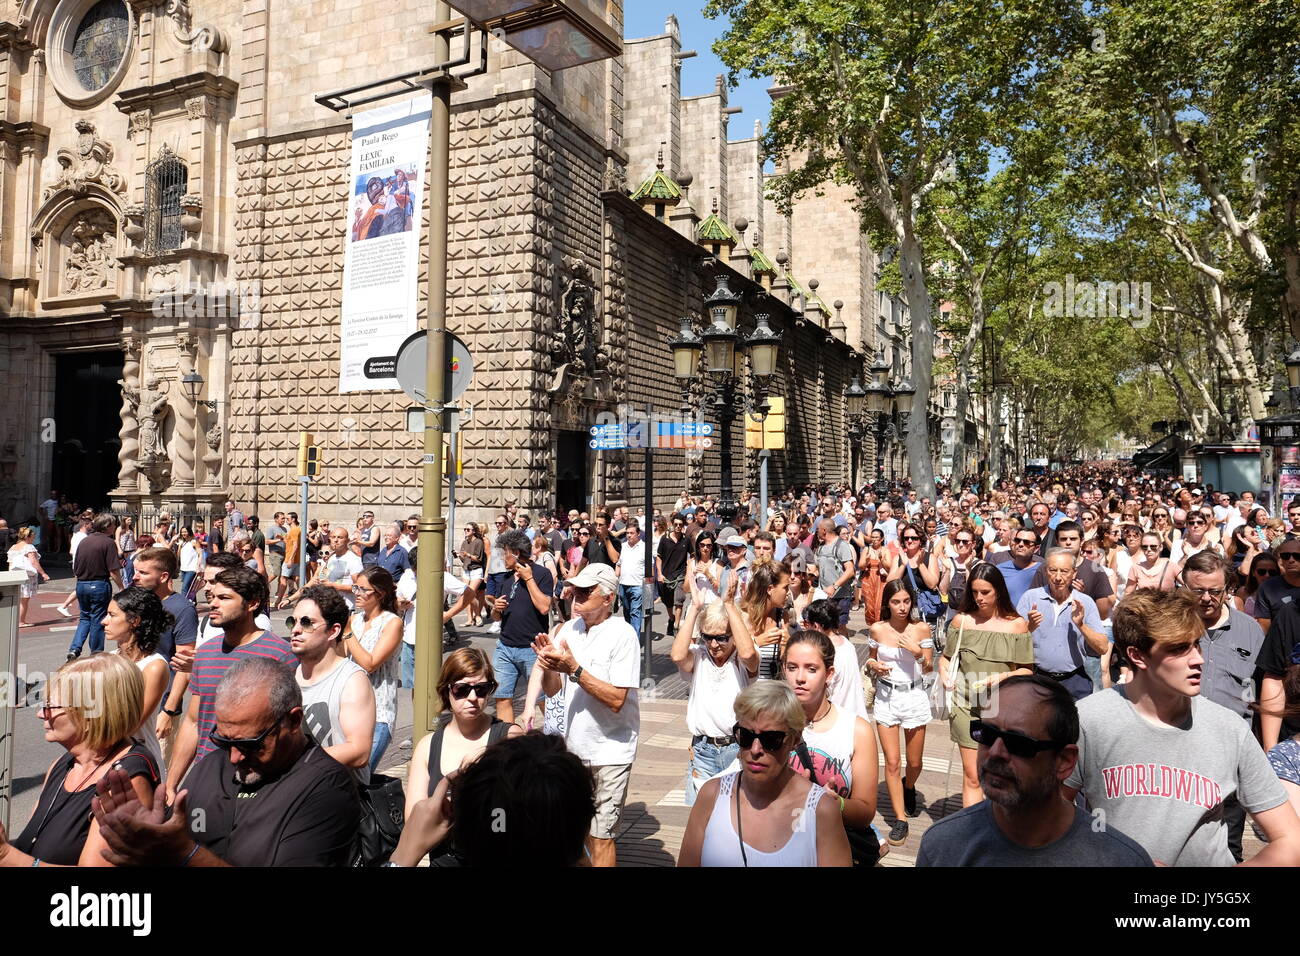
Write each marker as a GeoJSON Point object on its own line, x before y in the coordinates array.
{"type": "Point", "coordinates": [910, 708]}
{"type": "Point", "coordinates": [476, 574]}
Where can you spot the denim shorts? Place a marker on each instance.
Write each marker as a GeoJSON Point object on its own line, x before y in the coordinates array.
{"type": "Point", "coordinates": [513, 665]}
{"type": "Point", "coordinates": [408, 665]}
{"type": "Point", "coordinates": [707, 760]}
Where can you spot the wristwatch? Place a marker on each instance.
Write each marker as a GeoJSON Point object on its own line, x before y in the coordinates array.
{"type": "Point", "coordinates": [577, 674]}
{"type": "Point", "coordinates": [173, 713]}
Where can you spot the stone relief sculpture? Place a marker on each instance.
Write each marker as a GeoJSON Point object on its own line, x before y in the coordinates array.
{"type": "Point", "coordinates": [89, 261]}
{"type": "Point", "coordinates": [150, 407]}
{"type": "Point", "coordinates": [574, 339]}
{"type": "Point", "coordinates": [88, 163]}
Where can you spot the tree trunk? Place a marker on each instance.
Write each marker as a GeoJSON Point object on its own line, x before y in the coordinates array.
{"type": "Point", "coordinates": [963, 371]}
{"type": "Point", "coordinates": [912, 260]}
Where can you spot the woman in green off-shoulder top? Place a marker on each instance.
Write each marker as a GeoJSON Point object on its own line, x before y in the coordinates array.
{"type": "Point", "coordinates": [991, 643]}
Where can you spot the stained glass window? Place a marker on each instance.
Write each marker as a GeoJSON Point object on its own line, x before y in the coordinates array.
{"type": "Point", "coordinates": [100, 43]}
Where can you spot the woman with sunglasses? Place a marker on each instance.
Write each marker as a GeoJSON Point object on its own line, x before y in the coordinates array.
{"type": "Point", "coordinates": [1089, 521]}
{"type": "Point", "coordinates": [920, 569]}
{"type": "Point", "coordinates": [1162, 527]}
{"type": "Point", "coordinates": [838, 748]}
{"type": "Point", "coordinates": [901, 654]}
{"type": "Point", "coordinates": [467, 725]}
{"type": "Point", "coordinates": [1262, 567]}
{"type": "Point", "coordinates": [94, 706]}
{"type": "Point", "coordinates": [472, 556]}
{"type": "Point", "coordinates": [251, 555]}
{"type": "Point", "coordinates": [136, 621]}
{"type": "Point", "coordinates": [1194, 539]}
{"type": "Point", "coordinates": [993, 643]}
{"type": "Point", "coordinates": [704, 568]}
{"type": "Point", "coordinates": [744, 818]}
{"type": "Point", "coordinates": [373, 640]}
{"type": "Point", "coordinates": [1152, 571]}
{"type": "Point", "coordinates": [719, 660]}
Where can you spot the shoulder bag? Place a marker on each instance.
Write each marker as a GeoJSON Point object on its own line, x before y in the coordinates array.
{"type": "Point", "coordinates": [940, 696]}
{"type": "Point", "coordinates": [863, 845]}
{"type": "Point", "coordinates": [383, 813]}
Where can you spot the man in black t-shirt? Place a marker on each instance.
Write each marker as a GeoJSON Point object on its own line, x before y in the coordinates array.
{"type": "Point", "coordinates": [282, 802]}
{"type": "Point", "coordinates": [670, 562]}
{"type": "Point", "coordinates": [1277, 654]}
{"type": "Point", "coordinates": [523, 608]}
{"type": "Point", "coordinates": [602, 547]}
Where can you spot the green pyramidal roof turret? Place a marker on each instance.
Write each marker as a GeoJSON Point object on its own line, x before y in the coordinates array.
{"type": "Point", "coordinates": [714, 229]}
{"type": "Point", "coordinates": [659, 188]}
{"type": "Point", "coordinates": [761, 263]}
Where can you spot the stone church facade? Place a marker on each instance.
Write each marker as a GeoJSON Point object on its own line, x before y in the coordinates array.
{"type": "Point", "coordinates": [175, 202]}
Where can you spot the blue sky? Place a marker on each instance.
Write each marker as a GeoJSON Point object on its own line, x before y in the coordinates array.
{"type": "Point", "coordinates": [644, 19]}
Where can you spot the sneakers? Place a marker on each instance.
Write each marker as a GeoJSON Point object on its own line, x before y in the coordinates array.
{"type": "Point", "coordinates": [495, 628]}
{"type": "Point", "coordinates": [405, 744]}
{"type": "Point", "coordinates": [898, 833]}
{"type": "Point", "coordinates": [64, 611]}
{"type": "Point", "coordinates": [909, 801]}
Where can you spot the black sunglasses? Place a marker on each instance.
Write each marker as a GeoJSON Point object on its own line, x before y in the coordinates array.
{"type": "Point", "coordinates": [248, 746]}
{"type": "Point", "coordinates": [1018, 745]}
{"type": "Point", "coordinates": [1285, 556]}
{"type": "Point", "coordinates": [910, 537]}
{"type": "Point", "coordinates": [307, 623]}
{"type": "Point", "coordinates": [1268, 573]}
{"type": "Point", "coordinates": [483, 689]}
{"type": "Point", "coordinates": [1024, 541]}
{"type": "Point", "coordinates": [717, 638]}
{"type": "Point", "coordinates": [770, 740]}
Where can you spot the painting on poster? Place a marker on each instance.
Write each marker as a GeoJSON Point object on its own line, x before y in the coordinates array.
{"type": "Point", "coordinates": [381, 259]}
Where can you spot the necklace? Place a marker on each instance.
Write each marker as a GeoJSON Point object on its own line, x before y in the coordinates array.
{"type": "Point", "coordinates": [821, 715]}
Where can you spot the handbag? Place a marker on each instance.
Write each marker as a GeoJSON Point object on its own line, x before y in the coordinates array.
{"type": "Point", "coordinates": [864, 847]}
{"type": "Point", "coordinates": [868, 687]}
{"type": "Point", "coordinates": [926, 600]}
{"type": "Point", "coordinates": [941, 697]}
{"type": "Point", "coordinates": [383, 813]}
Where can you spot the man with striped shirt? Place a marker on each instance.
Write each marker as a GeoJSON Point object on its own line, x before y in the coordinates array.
{"type": "Point", "coordinates": [237, 596]}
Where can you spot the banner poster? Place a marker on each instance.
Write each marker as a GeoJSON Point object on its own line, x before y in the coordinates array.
{"type": "Point", "coordinates": [1288, 481]}
{"type": "Point", "coordinates": [381, 259]}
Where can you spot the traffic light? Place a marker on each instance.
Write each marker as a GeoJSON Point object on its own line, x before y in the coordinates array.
{"type": "Point", "coordinates": [309, 457]}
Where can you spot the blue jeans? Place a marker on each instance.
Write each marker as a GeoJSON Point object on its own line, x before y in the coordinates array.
{"type": "Point", "coordinates": [187, 578]}
{"type": "Point", "coordinates": [408, 666]}
{"type": "Point", "coordinates": [496, 583]}
{"type": "Point", "coordinates": [512, 665]}
{"type": "Point", "coordinates": [92, 598]}
{"type": "Point", "coordinates": [383, 737]}
{"type": "Point", "coordinates": [706, 760]}
{"type": "Point", "coordinates": [631, 594]}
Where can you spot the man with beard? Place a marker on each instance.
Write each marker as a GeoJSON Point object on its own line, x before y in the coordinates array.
{"type": "Point", "coordinates": [1028, 745]}
{"type": "Point", "coordinates": [236, 596]}
{"type": "Point", "coordinates": [270, 796]}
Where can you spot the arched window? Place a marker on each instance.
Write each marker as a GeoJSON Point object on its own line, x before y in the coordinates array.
{"type": "Point", "coordinates": [167, 181]}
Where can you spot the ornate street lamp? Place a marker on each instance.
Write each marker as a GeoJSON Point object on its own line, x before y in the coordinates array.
{"type": "Point", "coordinates": [554, 34]}
{"type": "Point", "coordinates": [855, 400]}
{"type": "Point", "coordinates": [724, 347]}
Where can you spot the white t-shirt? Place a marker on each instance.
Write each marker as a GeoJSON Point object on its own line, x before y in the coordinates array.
{"type": "Point", "coordinates": [406, 592]}
{"type": "Point", "coordinates": [51, 508]}
{"type": "Point", "coordinates": [77, 538]}
{"type": "Point", "coordinates": [190, 557]}
{"type": "Point", "coordinates": [611, 652]}
{"type": "Point", "coordinates": [710, 709]}
{"type": "Point", "coordinates": [631, 563]}
{"type": "Point", "coordinates": [339, 569]}
{"type": "Point", "coordinates": [846, 683]}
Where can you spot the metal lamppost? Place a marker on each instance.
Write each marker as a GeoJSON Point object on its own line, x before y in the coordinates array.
{"type": "Point", "coordinates": [879, 396]}
{"type": "Point", "coordinates": [724, 349]}
{"type": "Point", "coordinates": [855, 398]}
{"type": "Point", "coordinates": [193, 384]}
{"type": "Point", "coordinates": [556, 35]}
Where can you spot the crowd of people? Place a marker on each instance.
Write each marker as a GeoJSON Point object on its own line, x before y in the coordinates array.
{"type": "Point", "coordinates": [1103, 645]}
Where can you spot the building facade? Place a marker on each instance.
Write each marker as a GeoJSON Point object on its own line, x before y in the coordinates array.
{"type": "Point", "coordinates": [175, 202]}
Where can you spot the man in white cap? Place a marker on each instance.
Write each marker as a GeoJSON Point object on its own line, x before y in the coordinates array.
{"type": "Point", "coordinates": [594, 666]}
{"type": "Point", "coordinates": [736, 550]}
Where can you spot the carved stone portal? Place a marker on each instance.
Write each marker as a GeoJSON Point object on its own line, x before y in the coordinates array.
{"type": "Point", "coordinates": [90, 244]}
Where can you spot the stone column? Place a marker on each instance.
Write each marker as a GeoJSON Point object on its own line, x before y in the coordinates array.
{"type": "Point", "coordinates": [129, 433]}
{"type": "Point", "coordinates": [183, 476]}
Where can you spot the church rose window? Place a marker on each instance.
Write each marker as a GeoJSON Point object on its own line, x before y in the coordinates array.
{"type": "Point", "coordinates": [100, 43]}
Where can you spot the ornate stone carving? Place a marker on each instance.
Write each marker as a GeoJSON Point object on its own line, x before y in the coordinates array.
{"type": "Point", "coordinates": [575, 340]}
{"type": "Point", "coordinates": [152, 408]}
{"type": "Point", "coordinates": [128, 433]}
{"type": "Point", "coordinates": [91, 243]}
{"type": "Point", "coordinates": [199, 40]}
{"type": "Point", "coordinates": [212, 457]}
{"type": "Point", "coordinates": [138, 122]}
{"type": "Point", "coordinates": [197, 107]}
{"type": "Point", "coordinates": [185, 450]}
{"type": "Point", "coordinates": [163, 278]}
{"type": "Point", "coordinates": [134, 228]}
{"type": "Point", "coordinates": [213, 438]}
{"type": "Point", "coordinates": [192, 213]}
{"type": "Point", "coordinates": [88, 163]}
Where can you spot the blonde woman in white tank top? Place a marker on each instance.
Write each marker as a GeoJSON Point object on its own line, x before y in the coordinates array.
{"type": "Point", "coordinates": [744, 818]}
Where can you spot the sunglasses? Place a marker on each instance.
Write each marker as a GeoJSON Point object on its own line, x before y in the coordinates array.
{"type": "Point", "coordinates": [771, 740]}
{"type": "Point", "coordinates": [1025, 541]}
{"type": "Point", "coordinates": [1150, 547]}
{"type": "Point", "coordinates": [964, 541]}
{"type": "Point", "coordinates": [581, 594]}
{"type": "Point", "coordinates": [716, 638]}
{"type": "Point", "coordinates": [1018, 745]}
{"type": "Point", "coordinates": [584, 534]}
{"type": "Point", "coordinates": [1267, 573]}
{"type": "Point", "coordinates": [1285, 556]}
{"type": "Point", "coordinates": [46, 711]}
{"type": "Point", "coordinates": [483, 690]}
{"type": "Point", "coordinates": [910, 537]}
{"type": "Point", "coordinates": [248, 746]}
{"type": "Point", "coordinates": [358, 589]}
{"type": "Point", "coordinates": [307, 623]}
